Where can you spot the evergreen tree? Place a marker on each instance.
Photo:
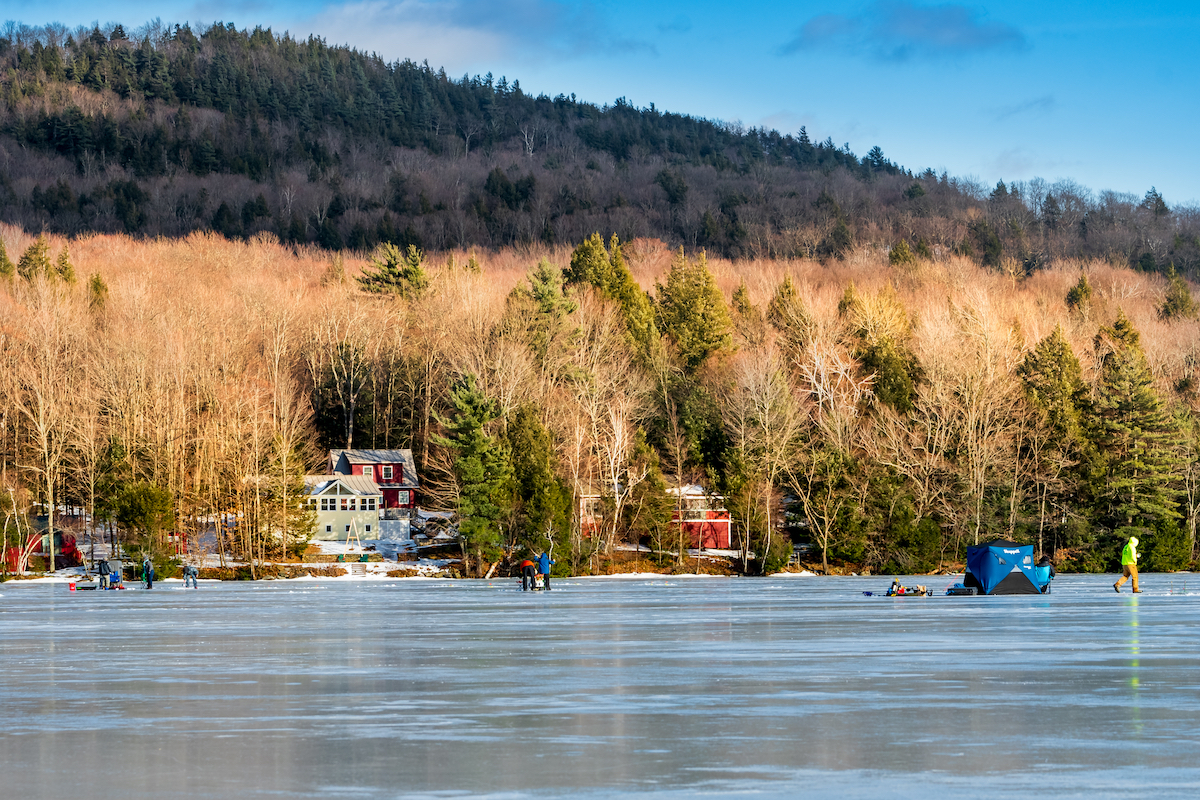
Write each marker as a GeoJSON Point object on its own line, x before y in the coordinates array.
{"type": "Point", "coordinates": [605, 270]}
{"type": "Point", "coordinates": [1054, 384]}
{"type": "Point", "coordinates": [35, 260]}
{"type": "Point", "coordinates": [901, 254]}
{"type": "Point", "coordinates": [541, 308]}
{"type": "Point", "coordinates": [1051, 212]}
{"type": "Point", "coordinates": [989, 242]}
{"type": "Point", "coordinates": [691, 310]}
{"type": "Point", "coordinates": [1155, 204]}
{"type": "Point", "coordinates": [748, 321]}
{"type": "Point", "coordinates": [648, 513]}
{"type": "Point", "coordinates": [838, 242]}
{"type": "Point", "coordinates": [881, 332]}
{"type": "Point", "coordinates": [1178, 303]}
{"type": "Point", "coordinates": [1079, 298]}
{"type": "Point", "coordinates": [292, 519]}
{"type": "Point", "coordinates": [1134, 433]}
{"type": "Point", "coordinates": [146, 509]}
{"type": "Point", "coordinates": [396, 273]}
{"type": "Point", "coordinates": [481, 467]}
{"type": "Point", "coordinates": [788, 315]}
{"type": "Point", "coordinates": [97, 293]}
{"type": "Point", "coordinates": [7, 269]}
{"type": "Point", "coordinates": [64, 268]}
{"type": "Point", "coordinates": [542, 500]}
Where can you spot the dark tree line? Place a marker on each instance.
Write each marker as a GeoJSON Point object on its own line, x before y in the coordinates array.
{"type": "Point", "coordinates": [170, 130]}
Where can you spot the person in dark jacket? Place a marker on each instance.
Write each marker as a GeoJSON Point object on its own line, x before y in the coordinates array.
{"type": "Point", "coordinates": [103, 569]}
{"type": "Point", "coordinates": [148, 572]}
{"type": "Point", "coordinates": [190, 573]}
{"type": "Point", "coordinates": [544, 564]}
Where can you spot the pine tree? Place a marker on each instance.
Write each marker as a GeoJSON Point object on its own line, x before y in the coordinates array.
{"type": "Point", "coordinates": [97, 293]}
{"type": "Point", "coordinates": [7, 269]}
{"type": "Point", "coordinates": [1133, 431]}
{"type": "Point", "coordinates": [396, 273]}
{"type": "Point", "coordinates": [541, 308]}
{"type": "Point", "coordinates": [1079, 298]}
{"type": "Point", "coordinates": [648, 513]}
{"type": "Point", "coordinates": [1178, 303]}
{"type": "Point", "coordinates": [1155, 204]}
{"type": "Point", "coordinates": [481, 466]}
{"type": "Point", "coordinates": [605, 270]}
{"type": "Point", "coordinates": [691, 310]}
{"type": "Point", "coordinates": [1054, 383]}
{"type": "Point", "coordinates": [881, 331]}
{"type": "Point", "coordinates": [901, 255]}
{"type": "Point", "coordinates": [543, 501]}
{"type": "Point", "coordinates": [35, 260]}
{"type": "Point", "coordinates": [64, 268]}
{"type": "Point", "coordinates": [748, 321]}
{"type": "Point", "coordinates": [788, 315]}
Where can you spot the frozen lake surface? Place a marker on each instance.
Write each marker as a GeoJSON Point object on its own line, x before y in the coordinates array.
{"type": "Point", "coordinates": [602, 688]}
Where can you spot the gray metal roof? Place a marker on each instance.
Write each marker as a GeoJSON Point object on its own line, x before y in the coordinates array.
{"type": "Point", "coordinates": [356, 484]}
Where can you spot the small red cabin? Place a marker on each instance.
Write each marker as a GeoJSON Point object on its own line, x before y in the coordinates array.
{"type": "Point", "coordinates": [394, 471]}
{"type": "Point", "coordinates": [704, 517]}
{"type": "Point", "coordinates": [705, 521]}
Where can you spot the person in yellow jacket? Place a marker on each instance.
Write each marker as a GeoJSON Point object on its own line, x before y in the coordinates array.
{"type": "Point", "coordinates": [1129, 557]}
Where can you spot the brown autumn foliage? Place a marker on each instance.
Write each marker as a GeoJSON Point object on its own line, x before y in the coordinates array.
{"type": "Point", "coordinates": [221, 370]}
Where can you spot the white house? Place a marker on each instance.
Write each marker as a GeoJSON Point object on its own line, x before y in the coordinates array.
{"type": "Point", "coordinates": [344, 504]}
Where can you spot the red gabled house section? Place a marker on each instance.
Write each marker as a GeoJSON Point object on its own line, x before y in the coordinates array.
{"type": "Point", "coordinates": [394, 471]}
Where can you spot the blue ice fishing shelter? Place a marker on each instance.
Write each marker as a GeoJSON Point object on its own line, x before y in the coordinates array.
{"type": "Point", "coordinates": [1004, 567]}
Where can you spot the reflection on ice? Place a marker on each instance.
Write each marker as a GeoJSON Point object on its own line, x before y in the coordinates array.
{"type": "Point", "coordinates": [601, 688]}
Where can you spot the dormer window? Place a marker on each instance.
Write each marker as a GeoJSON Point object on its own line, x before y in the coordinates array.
{"type": "Point", "coordinates": [368, 472]}
{"type": "Point", "coordinates": [385, 472]}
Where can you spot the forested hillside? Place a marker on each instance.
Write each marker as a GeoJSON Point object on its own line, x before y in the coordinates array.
{"type": "Point", "coordinates": [166, 130]}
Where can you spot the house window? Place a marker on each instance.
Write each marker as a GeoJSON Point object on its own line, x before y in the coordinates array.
{"type": "Point", "coordinates": [368, 529]}
{"type": "Point", "coordinates": [589, 509]}
{"type": "Point", "coordinates": [345, 505]}
{"type": "Point", "coordinates": [369, 472]}
{"type": "Point", "coordinates": [347, 529]}
{"type": "Point", "coordinates": [352, 504]}
{"type": "Point", "coordinates": [370, 501]}
{"type": "Point", "coordinates": [402, 497]}
{"type": "Point", "coordinates": [695, 509]}
{"type": "Point", "coordinates": [329, 529]}
{"type": "Point", "coordinates": [385, 472]}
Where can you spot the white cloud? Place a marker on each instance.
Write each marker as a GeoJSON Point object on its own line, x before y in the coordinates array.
{"type": "Point", "coordinates": [461, 34]}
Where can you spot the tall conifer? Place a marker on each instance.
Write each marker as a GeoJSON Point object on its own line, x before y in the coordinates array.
{"type": "Point", "coordinates": [1135, 433]}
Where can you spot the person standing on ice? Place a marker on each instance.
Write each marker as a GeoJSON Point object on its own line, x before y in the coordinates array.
{"type": "Point", "coordinates": [544, 564]}
{"type": "Point", "coordinates": [148, 572]}
{"type": "Point", "coordinates": [1129, 557]}
{"type": "Point", "coordinates": [190, 573]}
{"type": "Point", "coordinates": [104, 571]}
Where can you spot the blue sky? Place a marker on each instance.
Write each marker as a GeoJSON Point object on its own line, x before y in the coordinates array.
{"type": "Point", "coordinates": [1098, 92]}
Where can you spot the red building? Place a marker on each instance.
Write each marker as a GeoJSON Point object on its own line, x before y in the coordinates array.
{"type": "Point", "coordinates": [705, 521]}
{"type": "Point", "coordinates": [392, 470]}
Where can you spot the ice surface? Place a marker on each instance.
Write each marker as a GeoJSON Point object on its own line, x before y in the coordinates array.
{"type": "Point", "coordinates": [601, 688]}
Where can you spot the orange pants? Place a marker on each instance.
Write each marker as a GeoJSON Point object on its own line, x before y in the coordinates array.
{"type": "Point", "coordinates": [1129, 571]}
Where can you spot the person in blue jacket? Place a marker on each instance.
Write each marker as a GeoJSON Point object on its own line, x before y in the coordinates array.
{"type": "Point", "coordinates": [544, 564]}
{"type": "Point", "coordinates": [148, 572]}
